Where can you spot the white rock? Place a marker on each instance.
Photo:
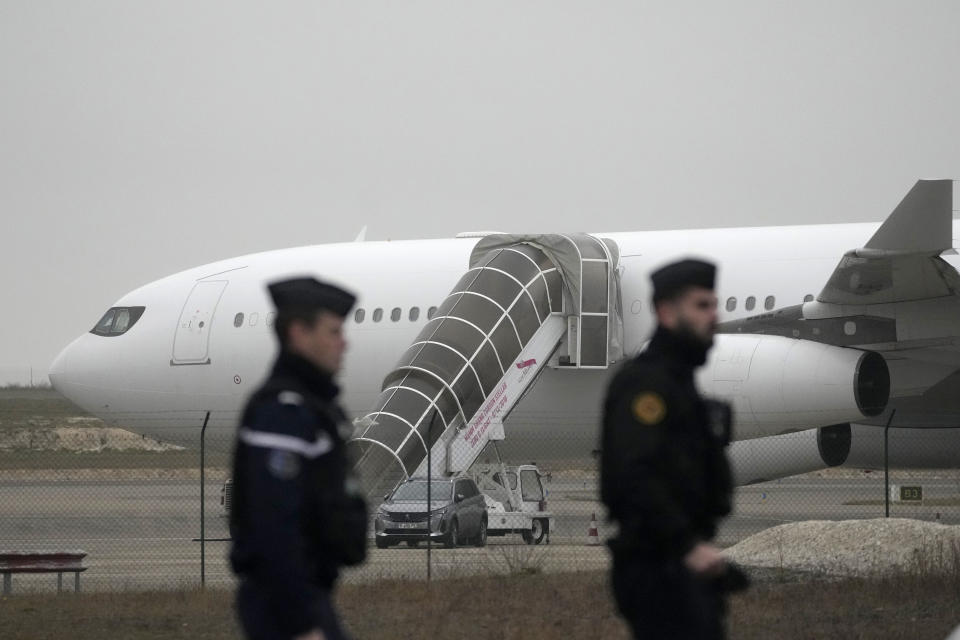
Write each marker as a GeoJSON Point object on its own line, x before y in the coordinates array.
{"type": "Point", "coordinates": [78, 439]}
{"type": "Point", "coordinates": [854, 547]}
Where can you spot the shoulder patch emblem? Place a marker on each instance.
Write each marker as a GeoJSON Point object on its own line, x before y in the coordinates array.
{"type": "Point", "coordinates": [649, 408]}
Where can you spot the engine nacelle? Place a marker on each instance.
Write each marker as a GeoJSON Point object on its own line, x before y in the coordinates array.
{"type": "Point", "coordinates": [773, 457]}
{"type": "Point", "coordinates": [856, 446]}
{"type": "Point", "coordinates": [778, 385]}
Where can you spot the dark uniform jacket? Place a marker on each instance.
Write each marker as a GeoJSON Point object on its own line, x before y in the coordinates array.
{"type": "Point", "coordinates": [296, 515]}
{"type": "Point", "coordinates": [664, 474]}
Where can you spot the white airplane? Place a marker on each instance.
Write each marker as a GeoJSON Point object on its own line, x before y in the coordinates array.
{"type": "Point", "coordinates": [457, 342]}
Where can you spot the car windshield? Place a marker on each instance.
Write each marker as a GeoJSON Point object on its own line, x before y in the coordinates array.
{"type": "Point", "coordinates": [440, 490]}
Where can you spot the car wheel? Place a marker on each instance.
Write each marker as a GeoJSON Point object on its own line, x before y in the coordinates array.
{"type": "Point", "coordinates": [382, 543]}
{"type": "Point", "coordinates": [453, 536]}
{"type": "Point", "coordinates": [538, 531]}
{"type": "Point", "coordinates": [482, 534]}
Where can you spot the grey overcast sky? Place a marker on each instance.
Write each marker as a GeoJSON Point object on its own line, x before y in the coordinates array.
{"type": "Point", "coordinates": [141, 138]}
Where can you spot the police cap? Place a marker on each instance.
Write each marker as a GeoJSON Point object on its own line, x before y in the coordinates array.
{"type": "Point", "coordinates": [671, 280]}
{"type": "Point", "coordinates": [309, 294]}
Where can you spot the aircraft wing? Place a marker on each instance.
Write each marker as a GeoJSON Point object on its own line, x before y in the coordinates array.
{"type": "Point", "coordinates": [901, 262]}
{"type": "Point", "coordinates": [879, 286]}
{"type": "Point", "coordinates": [895, 296]}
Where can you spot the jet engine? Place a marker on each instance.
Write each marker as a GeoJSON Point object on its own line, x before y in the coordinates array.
{"type": "Point", "coordinates": [773, 457]}
{"type": "Point", "coordinates": [856, 446]}
{"type": "Point", "coordinates": [779, 385]}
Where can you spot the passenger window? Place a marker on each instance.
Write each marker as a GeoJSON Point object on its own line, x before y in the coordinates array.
{"type": "Point", "coordinates": [750, 303]}
{"type": "Point", "coordinates": [271, 317]}
{"type": "Point", "coordinates": [254, 319]}
{"type": "Point", "coordinates": [769, 302]}
{"type": "Point", "coordinates": [731, 304]}
{"type": "Point", "coordinates": [377, 315]}
{"type": "Point", "coordinates": [414, 314]}
{"type": "Point", "coordinates": [238, 320]}
{"type": "Point", "coordinates": [432, 311]}
{"type": "Point", "coordinates": [395, 314]}
{"type": "Point", "coordinates": [530, 487]}
{"type": "Point", "coordinates": [359, 315]}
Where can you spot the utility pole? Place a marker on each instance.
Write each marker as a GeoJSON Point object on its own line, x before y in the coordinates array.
{"type": "Point", "coordinates": [886, 464]}
{"type": "Point", "coordinates": [203, 530]}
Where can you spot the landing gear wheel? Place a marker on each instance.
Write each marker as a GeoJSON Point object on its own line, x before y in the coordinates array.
{"type": "Point", "coordinates": [382, 544]}
{"type": "Point", "coordinates": [538, 531]}
{"type": "Point", "coordinates": [453, 537]}
{"type": "Point", "coordinates": [482, 534]}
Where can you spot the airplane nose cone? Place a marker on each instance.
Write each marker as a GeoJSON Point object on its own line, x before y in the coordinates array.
{"type": "Point", "coordinates": [77, 373]}
{"type": "Point", "coordinates": [57, 369]}
{"type": "Point", "coordinates": [60, 370]}
{"type": "Point", "coordinates": [70, 372]}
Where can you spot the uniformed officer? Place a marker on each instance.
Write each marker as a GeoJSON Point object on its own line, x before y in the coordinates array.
{"type": "Point", "coordinates": [297, 515]}
{"type": "Point", "coordinates": [664, 474]}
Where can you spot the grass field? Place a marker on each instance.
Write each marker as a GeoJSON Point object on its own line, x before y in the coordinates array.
{"type": "Point", "coordinates": [20, 407]}
{"type": "Point", "coordinates": [66, 460]}
{"type": "Point", "coordinates": [530, 607]}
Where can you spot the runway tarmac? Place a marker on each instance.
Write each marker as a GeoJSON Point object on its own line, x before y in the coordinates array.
{"type": "Point", "coordinates": [139, 534]}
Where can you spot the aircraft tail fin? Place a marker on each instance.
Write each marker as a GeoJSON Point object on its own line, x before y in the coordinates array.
{"type": "Point", "coordinates": [921, 223]}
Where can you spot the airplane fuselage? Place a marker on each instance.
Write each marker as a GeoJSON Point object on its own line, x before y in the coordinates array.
{"type": "Point", "coordinates": [162, 376]}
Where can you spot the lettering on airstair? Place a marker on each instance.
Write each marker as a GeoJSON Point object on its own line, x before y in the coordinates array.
{"type": "Point", "coordinates": [489, 412]}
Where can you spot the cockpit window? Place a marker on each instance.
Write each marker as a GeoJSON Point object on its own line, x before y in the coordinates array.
{"type": "Point", "coordinates": [117, 321]}
{"type": "Point", "coordinates": [106, 323]}
{"type": "Point", "coordinates": [121, 321]}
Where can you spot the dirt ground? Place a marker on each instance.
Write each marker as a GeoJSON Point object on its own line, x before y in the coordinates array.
{"type": "Point", "coordinates": [59, 445]}
{"type": "Point", "coordinates": [531, 607]}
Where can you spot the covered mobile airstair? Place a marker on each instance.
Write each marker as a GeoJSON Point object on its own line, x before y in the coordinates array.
{"type": "Point", "coordinates": [525, 303]}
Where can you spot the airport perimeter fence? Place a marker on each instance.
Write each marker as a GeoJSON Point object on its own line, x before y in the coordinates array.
{"type": "Point", "coordinates": [138, 510]}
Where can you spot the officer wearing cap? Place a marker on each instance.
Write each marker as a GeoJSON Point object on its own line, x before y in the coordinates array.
{"type": "Point", "coordinates": [664, 474]}
{"type": "Point", "coordinates": [297, 515]}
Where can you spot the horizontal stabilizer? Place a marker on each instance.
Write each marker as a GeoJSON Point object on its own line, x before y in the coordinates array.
{"type": "Point", "coordinates": [921, 223]}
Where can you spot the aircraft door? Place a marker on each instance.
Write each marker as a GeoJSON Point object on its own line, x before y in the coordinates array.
{"type": "Point", "coordinates": [191, 342]}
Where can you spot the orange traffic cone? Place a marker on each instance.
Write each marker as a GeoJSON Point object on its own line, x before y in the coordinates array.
{"type": "Point", "coordinates": [593, 534]}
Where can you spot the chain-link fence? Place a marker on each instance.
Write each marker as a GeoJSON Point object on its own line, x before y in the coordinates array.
{"type": "Point", "coordinates": [134, 506]}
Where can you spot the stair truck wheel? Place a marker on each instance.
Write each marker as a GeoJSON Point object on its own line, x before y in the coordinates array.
{"type": "Point", "coordinates": [538, 531]}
